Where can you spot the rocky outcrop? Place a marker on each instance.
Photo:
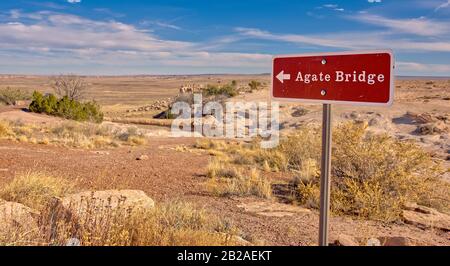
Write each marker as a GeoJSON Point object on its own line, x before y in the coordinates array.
{"type": "Point", "coordinates": [430, 123]}
{"type": "Point", "coordinates": [433, 128]}
{"type": "Point", "coordinates": [425, 217]}
{"type": "Point", "coordinates": [157, 105]}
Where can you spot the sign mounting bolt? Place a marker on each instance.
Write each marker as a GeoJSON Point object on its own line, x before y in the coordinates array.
{"type": "Point", "coordinates": [323, 92]}
{"type": "Point", "coordinates": [324, 61]}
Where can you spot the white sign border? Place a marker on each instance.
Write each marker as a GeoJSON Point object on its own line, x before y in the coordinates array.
{"type": "Point", "coordinates": [361, 52]}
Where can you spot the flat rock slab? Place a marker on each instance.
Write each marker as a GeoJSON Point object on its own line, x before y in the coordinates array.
{"type": "Point", "coordinates": [17, 218]}
{"type": "Point", "coordinates": [272, 209]}
{"type": "Point", "coordinates": [426, 217]}
{"type": "Point", "coordinates": [107, 200]}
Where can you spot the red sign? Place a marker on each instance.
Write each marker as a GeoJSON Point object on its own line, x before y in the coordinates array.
{"type": "Point", "coordinates": [364, 78]}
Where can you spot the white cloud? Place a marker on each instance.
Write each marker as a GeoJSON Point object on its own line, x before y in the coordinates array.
{"type": "Point", "coordinates": [74, 1]}
{"type": "Point", "coordinates": [374, 1]}
{"type": "Point", "coordinates": [161, 24]}
{"type": "Point", "coordinates": [415, 67]}
{"type": "Point", "coordinates": [334, 7]}
{"type": "Point", "coordinates": [350, 40]}
{"type": "Point", "coordinates": [418, 26]}
{"type": "Point", "coordinates": [62, 41]}
{"type": "Point", "coordinates": [62, 31]}
{"type": "Point", "coordinates": [443, 5]}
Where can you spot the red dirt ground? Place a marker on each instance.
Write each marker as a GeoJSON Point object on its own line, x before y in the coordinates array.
{"type": "Point", "coordinates": [169, 174]}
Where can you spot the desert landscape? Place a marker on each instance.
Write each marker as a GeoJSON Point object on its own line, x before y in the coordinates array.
{"type": "Point", "coordinates": [125, 181]}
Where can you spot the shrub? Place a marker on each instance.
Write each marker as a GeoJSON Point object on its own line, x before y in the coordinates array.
{"type": "Point", "coordinates": [373, 176]}
{"type": "Point", "coordinates": [303, 145]}
{"type": "Point", "coordinates": [227, 90]}
{"type": "Point", "coordinates": [35, 189]}
{"type": "Point", "coordinates": [254, 85]}
{"type": "Point", "coordinates": [5, 129]}
{"type": "Point", "coordinates": [9, 95]}
{"type": "Point", "coordinates": [66, 108]}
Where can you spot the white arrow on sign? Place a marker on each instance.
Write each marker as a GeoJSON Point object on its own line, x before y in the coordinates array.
{"type": "Point", "coordinates": [282, 77]}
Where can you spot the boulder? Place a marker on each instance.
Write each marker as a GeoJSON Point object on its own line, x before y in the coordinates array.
{"type": "Point", "coordinates": [18, 219]}
{"type": "Point", "coordinates": [425, 217]}
{"type": "Point", "coordinates": [109, 200]}
{"type": "Point", "coordinates": [91, 210]}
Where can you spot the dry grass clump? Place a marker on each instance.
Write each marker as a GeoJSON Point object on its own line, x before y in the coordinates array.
{"type": "Point", "coordinates": [245, 154]}
{"type": "Point", "coordinates": [208, 144]}
{"type": "Point", "coordinates": [72, 134]}
{"type": "Point", "coordinates": [131, 136]}
{"type": "Point", "coordinates": [219, 168]}
{"type": "Point", "coordinates": [174, 223]}
{"type": "Point", "coordinates": [231, 172]}
{"type": "Point", "coordinates": [301, 147]}
{"type": "Point", "coordinates": [35, 189]}
{"type": "Point", "coordinates": [82, 135]}
{"type": "Point", "coordinates": [243, 185]}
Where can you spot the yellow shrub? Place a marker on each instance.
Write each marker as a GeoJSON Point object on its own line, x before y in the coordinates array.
{"type": "Point", "coordinates": [5, 129]}
{"type": "Point", "coordinates": [373, 176]}
{"type": "Point", "coordinates": [137, 140]}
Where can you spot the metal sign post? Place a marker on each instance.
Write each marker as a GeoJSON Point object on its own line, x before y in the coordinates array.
{"type": "Point", "coordinates": [355, 78]}
{"type": "Point", "coordinates": [325, 175]}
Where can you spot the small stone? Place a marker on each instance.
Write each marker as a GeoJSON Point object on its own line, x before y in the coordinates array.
{"type": "Point", "coordinates": [73, 242]}
{"type": "Point", "coordinates": [142, 158]}
{"type": "Point", "coordinates": [373, 242]}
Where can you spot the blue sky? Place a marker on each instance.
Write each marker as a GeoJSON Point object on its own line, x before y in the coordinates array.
{"type": "Point", "coordinates": [109, 37]}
